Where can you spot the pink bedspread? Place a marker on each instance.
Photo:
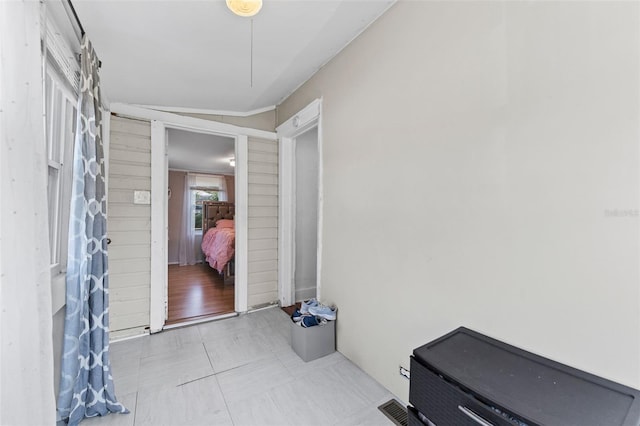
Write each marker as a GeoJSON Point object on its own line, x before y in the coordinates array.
{"type": "Point", "coordinates": [218, 246]}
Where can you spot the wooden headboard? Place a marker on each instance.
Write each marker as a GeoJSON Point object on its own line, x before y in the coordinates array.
{"type": "Point", "coordinates": [213, 211]}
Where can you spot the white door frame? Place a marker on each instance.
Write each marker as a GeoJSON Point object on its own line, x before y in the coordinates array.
{"type": "Point", "coordinates": [308, 118]}
{"type": "Point", "coordinates": [160, 121]}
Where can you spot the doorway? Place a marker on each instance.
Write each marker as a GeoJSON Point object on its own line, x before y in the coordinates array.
{"type": "Point", "coordinates": [156, 271]}
{"type": "Point", "coordinates": [201, 171]}
{"type": "Point", "coordinates": [300, 211]}
{"type": "Point", "coordinates": [306, 215]}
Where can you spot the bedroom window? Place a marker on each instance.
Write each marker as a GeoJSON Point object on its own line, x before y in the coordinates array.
{"type": "Point", "coordinates": [205, 188]}
{"type": "Point", "coordinates": [60, 117]}
{"type": "Point", "coordinates": [200, 195]}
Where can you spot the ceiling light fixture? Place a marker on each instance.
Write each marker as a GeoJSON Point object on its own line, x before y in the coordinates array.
{"type": "Point", "coordinates": [232, 162]}
{"type": "Point", "coordinates": [244, 8]}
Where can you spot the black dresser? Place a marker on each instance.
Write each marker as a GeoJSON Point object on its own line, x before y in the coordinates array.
{"type": "Point", "coordinates": [466, 378]}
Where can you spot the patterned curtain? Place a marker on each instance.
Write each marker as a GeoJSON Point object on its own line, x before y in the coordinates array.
{"type": "Point", "coordinates": [86, 385]}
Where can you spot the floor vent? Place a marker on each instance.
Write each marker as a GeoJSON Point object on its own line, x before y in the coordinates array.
{"type": "Point", "coordinates": [395, 411]}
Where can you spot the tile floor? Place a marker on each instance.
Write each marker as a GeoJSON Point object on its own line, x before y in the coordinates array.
{"type": "Point", "coordinates": [238, 371]}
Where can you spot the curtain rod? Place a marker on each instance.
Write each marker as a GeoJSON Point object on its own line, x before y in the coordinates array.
{"type": "Point", "coordinates": [71, 11]}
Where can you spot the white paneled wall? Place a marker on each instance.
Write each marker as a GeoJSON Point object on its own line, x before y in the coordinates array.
{"type": "Point", "coordinates": [263, 222]}
{"type": "Point", "coordinates": [129, 226]}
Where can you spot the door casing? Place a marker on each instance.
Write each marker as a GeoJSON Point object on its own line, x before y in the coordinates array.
{"type": "Point", "coordinates": [307, 118]}
{"type": "Point", "coordinates": [160, 121]}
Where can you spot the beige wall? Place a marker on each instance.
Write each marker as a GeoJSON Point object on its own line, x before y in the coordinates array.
{"type": "Point", "coordinates": [230, 181]}
{"type": "Point", "coordinates": [474, 156]}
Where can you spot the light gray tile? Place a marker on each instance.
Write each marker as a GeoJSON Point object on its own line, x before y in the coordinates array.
{"type": "Point", "coordinates": [125, 377]}
{"type": "Point", "coordinates": [358, 381]}
{"type": "Point", "coordinates": [317, 397]}
{"type": "Point", "coordinates": [214, 329]}
{"type": "Point", "coordinates": [169, 340]}
{"type": "Point", "coordinates": [233, 350]}
{"type": "Point", "coordinates": [261, 379]}
{"type": "Point", "coordinates": [253, 379]}
{"type": "Point", "coordinates": [300, 401]}
{"type": "Point", "coordinates": [279, 338]}
{"type": "Point", "coordinates": [299, 368]}
{"type": "Point", "coordinates": [259, 410]}
{"type": "Point", "coordinates": [278, 330]}
{"type": "Point", "coordinates": [175, 367]}
{"type": "Point", "coordinates": [126, 349]}
{"type": "Point", "coordinates": [268, 317]}
{"type": "Point", "coordinates": [125, 364]}
{"type": "Point", "coordinates": [116, 419]}
{"type": "Point", "coordinates": [370, 416]}
{"type": "Point", "coordinates": [195, 403]}
{"type": "Point", "coordinates": [334, 394]}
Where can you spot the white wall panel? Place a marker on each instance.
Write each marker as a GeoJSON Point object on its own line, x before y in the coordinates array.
{"type": "Point", "coordinates": [262, 178]}
{"type": "Point", "coordinates": [131, 182]}
{"type": "Point", "coordinates": [129, 226]}
{"type": "Point", "coordinates": [263, 222]}
{"type": "Point", "coordinates": [128, 293]}
{"type": "Point", "coordinates": [258, 255]}
{"type": "Point", "coordinates": [268, 243]}
{"type": "Point", "coordinates": [263, 189]}
{"type": "Point", "coordinates": [259, 211]}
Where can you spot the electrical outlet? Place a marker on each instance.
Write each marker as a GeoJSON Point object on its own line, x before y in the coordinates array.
{"type": "Point", "coordinates": [404, 372]}
{"type": "Point", "coordinates": [141, 197]}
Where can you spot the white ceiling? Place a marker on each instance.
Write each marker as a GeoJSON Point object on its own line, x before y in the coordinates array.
{"type": "Point", "coordinates": [199, 152]}
{"type": "Point", "coordinates": [197, 54]}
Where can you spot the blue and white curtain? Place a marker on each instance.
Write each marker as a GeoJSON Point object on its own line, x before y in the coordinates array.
{"type": "Point", "coordinates": [86, 385]}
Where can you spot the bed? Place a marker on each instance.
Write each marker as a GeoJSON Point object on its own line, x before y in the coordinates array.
{"type": "Point", "coordinates": [218, 237]}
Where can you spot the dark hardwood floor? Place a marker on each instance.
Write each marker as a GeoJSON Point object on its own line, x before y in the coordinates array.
{"type": "Point", "coordinates": [197, 291]}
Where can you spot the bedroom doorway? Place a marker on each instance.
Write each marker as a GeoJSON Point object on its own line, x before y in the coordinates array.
{"type": "Point", "coordinates": [300, 213]}
{"type": "Point", "coordinates": [201, 172]}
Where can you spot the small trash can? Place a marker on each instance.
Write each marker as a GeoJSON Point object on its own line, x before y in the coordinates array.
{"type": "Point", "coordinates": [313, 342]}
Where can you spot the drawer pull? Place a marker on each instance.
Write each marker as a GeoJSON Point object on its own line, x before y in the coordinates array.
{"type": "Point", "coordinates": [473, 416]}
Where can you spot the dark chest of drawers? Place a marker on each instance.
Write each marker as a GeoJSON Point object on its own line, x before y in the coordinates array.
{"type": "Point", "coordinates": [466, 378]}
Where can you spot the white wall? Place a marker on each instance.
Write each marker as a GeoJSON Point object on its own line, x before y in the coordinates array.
{"type": "Point", "coordinates": [474, 156]}
{"type": "Point", "coordinates": [27, 395]}
{"type": "Point", "coordinates": [306, 157]}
